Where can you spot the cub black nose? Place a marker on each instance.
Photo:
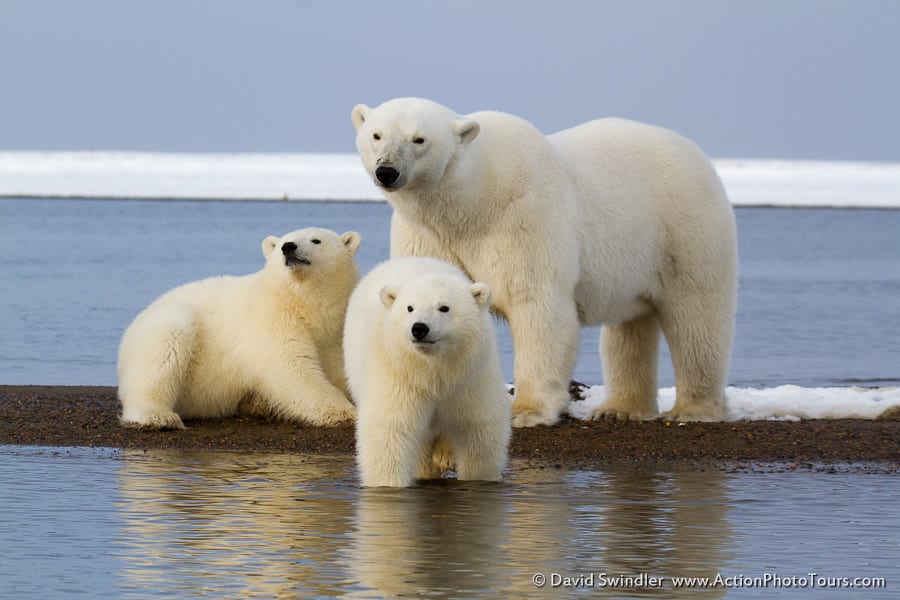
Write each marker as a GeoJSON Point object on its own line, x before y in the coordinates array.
{"type": "Point", "coordinates": [386, 175]}
{"type": "Point", "coordinates": [288, 248]}
{"type": "Point", "coordinates": [420, 331]}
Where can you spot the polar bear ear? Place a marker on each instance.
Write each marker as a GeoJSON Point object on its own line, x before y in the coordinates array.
{"type": "Point", "coordinates": [482, 294]}
{"type": "Point", "coordinates": [351, 240]}
{"type": "Point", "coordinates": [465, 130]}
{"type": "Point", "coordinates": [388, 294]}
{"type": "Point", "coordinates": [269, 244]}
{"type": "Point", "coordinates": [359, 114]}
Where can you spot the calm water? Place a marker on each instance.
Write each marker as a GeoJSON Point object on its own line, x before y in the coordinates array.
{"type": "Point", "coordinates": [105, 523]}
{"type": "Point", "coordinates": [819, 300]}
{"type": "Point", "coordinates": [819, 304]}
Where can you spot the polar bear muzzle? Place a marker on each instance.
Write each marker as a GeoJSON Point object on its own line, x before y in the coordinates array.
{"type": "Point", "coordinates": [420, 332]}
{"type": "Point", "coordinates": [289, 249]}
{"type": "Point", "coordinates": [386, 176]}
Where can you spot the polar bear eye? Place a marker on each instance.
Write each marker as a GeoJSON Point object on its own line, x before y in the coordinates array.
{"type": "Point", "coordinates": [316, 241]}
{"type": "Point", "coordinates": [444, 308]}
{"type": "Point", "coordinates": [409, 309]}
{"type": "Point", "coordinates": [376, 136]}
{"type": "Point", "coordinates": [418, 140]}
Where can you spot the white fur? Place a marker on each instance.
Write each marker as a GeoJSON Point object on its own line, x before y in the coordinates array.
{"type": "Point", "coordinates": [424, 407]}
{"type": "Point", "coordinates": [611, 222]}
{"type": "Point", "coordinates": [272, 338]}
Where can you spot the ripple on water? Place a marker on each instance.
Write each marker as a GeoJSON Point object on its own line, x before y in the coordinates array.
{"type": "Point", "coordinates": [171, 523]}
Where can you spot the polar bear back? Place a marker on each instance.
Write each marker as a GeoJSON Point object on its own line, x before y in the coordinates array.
{"type": "Point", "coordinates": [636, 181]}
{"type": "Point", "coordinates": [618, 184]}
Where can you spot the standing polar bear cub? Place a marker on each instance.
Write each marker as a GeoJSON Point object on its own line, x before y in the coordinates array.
{"type": "Point", "coordinates": [273, 338]}
{"type": "Point", "coordinates": [423, 368]}
{"type": "Point", "coordinates": [611, 222]}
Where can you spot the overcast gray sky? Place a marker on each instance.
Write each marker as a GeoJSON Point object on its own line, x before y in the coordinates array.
{"type": "Point", "coordinates": [813, 79]}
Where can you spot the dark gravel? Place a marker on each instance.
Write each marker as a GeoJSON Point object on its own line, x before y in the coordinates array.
{"type": "Point", "coordinates": [88, 416]}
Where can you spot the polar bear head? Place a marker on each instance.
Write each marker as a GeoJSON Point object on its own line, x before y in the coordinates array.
{"type": "Point", "coordinates": [407, 142]}
{"type": "Point", "coordinates": [311, 253]}
{"type": "Point", "coordinates": [436, 314]}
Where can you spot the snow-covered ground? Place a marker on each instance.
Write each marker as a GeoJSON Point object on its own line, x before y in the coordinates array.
{"type": "Point", "coordinates": [784, 402]}
{"type": "Point", "coordinates": [341, 177]}
{"type": "Point", "coordinates": [194, 176]}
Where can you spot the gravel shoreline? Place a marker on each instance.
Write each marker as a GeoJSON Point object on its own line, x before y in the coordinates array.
{"type": "Point", "coordinates": [38, 415]}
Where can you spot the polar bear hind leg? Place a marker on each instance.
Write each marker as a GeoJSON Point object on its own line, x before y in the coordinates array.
{"type": "Point", "coordinates": [699, 333]}
{"type": "Point", "coordinates": [479, 457]}
{"type": "Point", "coordinates": [630, 354]}
{"type": "Point", "coordinates": [155, 369]}
{"type": "Point", "coordinates": [435, 459]}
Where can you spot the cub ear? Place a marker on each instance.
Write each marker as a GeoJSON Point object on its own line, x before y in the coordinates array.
{"type": "Point", "coordinates": [351, 240]}
{"type": "Point", "coordinates": [482, 294]}
{"type": "Point", "coordinates": [359, 114]}
{"type": "Point", "coordinates": [466, 130]}
{"type": "Point", "coordinates": [269, 244]}
{"type": "Point", "coordinates": [388, 294]}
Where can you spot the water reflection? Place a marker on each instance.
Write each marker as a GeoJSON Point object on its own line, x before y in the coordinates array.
{"type": "Point", "coordinates": [630, 524]}
{"type": "Point", "coordinates": [261, 525]}
{"type": "Point", "coordinates": [107, 523]}
{"type": "Point", "coordinates": [238, 525]}
{"type": "Point", "coordinates": [443, 538]}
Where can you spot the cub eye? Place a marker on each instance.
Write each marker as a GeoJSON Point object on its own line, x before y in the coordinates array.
{"type": "Point", "coordinates": [376, 136]}
{"type": "Point", "coordinates": [316, 241]}
{"type": "Point", "coordinates": [418, 140]}
{"type": "Point", "coordinates": [409, 309]}
{"type": "Point", "coordinates": [444, 308]}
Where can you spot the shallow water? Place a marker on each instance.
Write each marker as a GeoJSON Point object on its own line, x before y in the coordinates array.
{"type": "Point", "coordinates": [127, 524]}
{"type": "Point", "coordinates": [817, 306]}
{"type": "Point", "coordinates": [817, 302]}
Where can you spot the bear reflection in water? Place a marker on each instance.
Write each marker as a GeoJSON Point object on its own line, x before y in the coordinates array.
{"type": "Point", "coordinates": [276, 525]}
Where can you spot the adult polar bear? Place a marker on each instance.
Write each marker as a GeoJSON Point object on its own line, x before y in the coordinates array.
{"type": "Point", "coordinates": [611, 222]}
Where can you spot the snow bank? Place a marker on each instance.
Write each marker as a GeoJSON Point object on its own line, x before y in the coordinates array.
{"type": "Point", "coordinates": [785, 402]}
{"type": "Point", "coordinates": [189, 176]}
{"type": "Point", "coordinates": [810, 183]}
{"type": "Point", "coordinates": [341, 177]}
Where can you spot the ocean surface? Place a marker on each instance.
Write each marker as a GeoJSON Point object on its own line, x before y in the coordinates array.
{"type": "Point", "coordinates": [100, 523]}
{"type": "Point", "coordinates": [819, 308]}
{"type": "Point", "coordinates": [818, 303]}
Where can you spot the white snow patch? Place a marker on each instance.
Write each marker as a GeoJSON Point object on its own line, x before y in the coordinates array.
{"type": "Point", "coordinates": [341, 177]}
{"type": "Point", "coordinates": [785, 402]}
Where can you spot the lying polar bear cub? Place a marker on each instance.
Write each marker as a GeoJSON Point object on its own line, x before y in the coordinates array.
{"type": "Point", "coordinates": [423, 368]}
{"type": "Point", "coordinates": [272, 337]}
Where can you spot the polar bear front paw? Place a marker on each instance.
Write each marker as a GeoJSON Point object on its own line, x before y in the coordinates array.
{"type": "Point", "coordinates": [532, 417]}
{"type": "Point", "coordinates": [154, 421]}
{"type": "Point", "coordinates": [527, 411]}
{"type": "Point", "coordinates": [336, 415]}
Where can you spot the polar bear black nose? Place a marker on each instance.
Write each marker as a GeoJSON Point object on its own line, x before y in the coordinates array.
{"type": "Point", "coordinates": [288, 248]}
{"type": "Point", "coordinates": [386, 175]}
{"type": "Point", "coordinates": [420, 330]}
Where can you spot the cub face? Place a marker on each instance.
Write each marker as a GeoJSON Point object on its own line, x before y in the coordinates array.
{"type": "Point", "coordinates": [298, 254]}
{"type": "Point", "coordinates": [434, 314]}
{"type": "Point", "coordinates": [409, 141]}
